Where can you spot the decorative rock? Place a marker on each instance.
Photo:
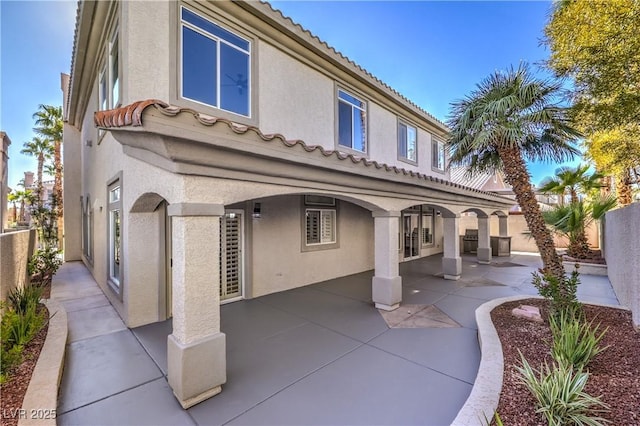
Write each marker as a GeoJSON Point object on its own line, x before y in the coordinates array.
{"type": "Point", "coordinates": [527, 312]}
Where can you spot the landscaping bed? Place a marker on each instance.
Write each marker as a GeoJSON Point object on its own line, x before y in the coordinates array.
{"type": "Point", "coordinates": [15, 388]}
{"type": "Point", "coordinates": [614, 373]}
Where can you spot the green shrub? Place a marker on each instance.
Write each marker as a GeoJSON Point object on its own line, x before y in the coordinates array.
{"type": "Point", "coordinates": [20, 298]}
{"type": "Point", "coordinates": [45, 261]}
{"type": "Point", "coordinates": [575, 342]}
{"type": "Point", "coordinates": [19, 328]}
{"type": "Point", "coordinates": [560, 395]}
{"type": "Point", "coordinates": [9, 358]}
{"type": "Point", "coordinates": [561, 293]}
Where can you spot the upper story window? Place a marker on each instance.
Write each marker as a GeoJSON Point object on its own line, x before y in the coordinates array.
{"type": "Point", "coordinates": [437, 155]}
{"type": "Point", "coordinates": [109, 78]}
{"type": "Point", "coordinates": [215, 65]}
{"type": "Point", "coordinates": [352, 122]}
{"type": "Point", "coordinates": [407, 142]}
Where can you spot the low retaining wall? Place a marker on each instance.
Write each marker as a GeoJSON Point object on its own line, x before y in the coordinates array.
{"type": "Point", "coordinates": [622, 252]}
{"type": "Point", "coordinates": [40, 402]}
{"type": "Point", "coordinates": [16, 248]}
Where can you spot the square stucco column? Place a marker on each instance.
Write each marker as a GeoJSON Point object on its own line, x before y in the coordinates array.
{"type": "Point", "coordinates": [484, 241]}
{"type": "Point", "coordinates": [451, 261]}
{"type": "Point", "coordinates": [386, 283]}
{"type": "Point", "coordinates": [503, 226]}
{"type": "Point", "coordinates": [196, 350]}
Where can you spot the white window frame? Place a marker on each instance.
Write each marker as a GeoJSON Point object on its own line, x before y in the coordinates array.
{"type": "Point", "coordinates": [114, 257]}
{"type": "Point", "coordinates": [354, 109]}
{"type": "Point", "coordinates": [438, 155]}
{"type": "Point", "coordinates": [110, 80]}
{"type": "Point", "coordinates": [217, 40]}
{"type": "Point", "coordinates": [323, 213]}
{"type": "Point", "coordinates": [405, 156]}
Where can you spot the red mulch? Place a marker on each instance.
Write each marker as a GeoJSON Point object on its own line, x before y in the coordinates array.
{"type": "Point", "coordinates": [614, 373]}
{"type": "Point", "coordinates": [14, 389]}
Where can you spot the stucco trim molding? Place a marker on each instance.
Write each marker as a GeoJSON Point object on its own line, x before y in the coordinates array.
{"type": "Point", "coordinates": [132, 116]}
{"type": "Point", "coordinates": [195, 209]}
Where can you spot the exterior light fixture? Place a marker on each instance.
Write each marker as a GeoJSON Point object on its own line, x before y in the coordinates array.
{"type": "Point", "coordinates": [257, 211]}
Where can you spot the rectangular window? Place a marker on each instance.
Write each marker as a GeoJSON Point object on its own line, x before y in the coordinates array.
{"type": "Point", "coordinates": [87, 228]}
{"type": "Point", "coordinates": [427, 226]}
{"type": "Point", "coordinates": [407, 142]}
{"type": "Point", "coordinates": [321, 226]}
{"type": "Point", "coordinates": [437, 152]}
{"type": "Point", "coordinates": [114, 230]}
{"type": "Point", "coordinates": [109, 78]}
{"type": "Point", "coordinates": [114, 73]}
{"type": "Point", "coordinates": [215, 65]}
{"type": "Point", "coordinates": [352, 122]}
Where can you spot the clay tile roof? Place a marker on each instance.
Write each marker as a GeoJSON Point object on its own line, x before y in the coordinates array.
{"type": "Point", "coordinates": [131, 116]}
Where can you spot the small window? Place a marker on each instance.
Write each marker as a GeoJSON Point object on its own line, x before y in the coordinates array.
{"type": "Point", "coordinates": [215, 65]}
{"type": "Point", "coordinates": [352, 122]}
{"type": "Point", "coordinates": [427, 226]}
{"type": "Point", "coordinates": [109, 77]}
{"type": "Point", "coordinates": [407, 142]}
{"type": "Point", "coordinates": [114, 231]}
{"type": "Point", "coordinates": [87, 228]}
{"type": "Point", "coordinates": [321, 226]}
{"type": "Point", "coordinates": [319, 200]}
{"type": "Point", "coordinates": [437, 152]}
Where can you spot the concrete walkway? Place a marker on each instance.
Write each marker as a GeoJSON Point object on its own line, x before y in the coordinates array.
{"type": "Point", "coordinates": [319, 354]}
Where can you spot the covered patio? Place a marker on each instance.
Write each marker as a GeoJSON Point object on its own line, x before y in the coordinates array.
{"type": "Point", "coordinates": [320, 354]}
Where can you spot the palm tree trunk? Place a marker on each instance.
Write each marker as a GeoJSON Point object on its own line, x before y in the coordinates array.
{"type": "Point", "coordinates": [517, 176]}
{"type": "Point", "coordinates": [623, 188]}
{"type": "Point", "coordinates": [57, 187]}
{"type": "Point", "coordinates": [40, 185]}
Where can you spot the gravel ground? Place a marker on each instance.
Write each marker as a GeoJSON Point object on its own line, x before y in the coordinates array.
{"type": "Point", "coordinates": [614, 373]}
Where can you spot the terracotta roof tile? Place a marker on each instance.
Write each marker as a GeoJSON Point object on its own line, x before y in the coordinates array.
{"type": "Point", "coordinates": [131, 116]}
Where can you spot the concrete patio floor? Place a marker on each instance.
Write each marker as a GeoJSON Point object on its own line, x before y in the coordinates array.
{"type": "Point", "coordinates": [320, 354]}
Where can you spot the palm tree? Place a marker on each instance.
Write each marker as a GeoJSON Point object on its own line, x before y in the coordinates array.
{"type": "Point", "coordinates": [42, 149]}
{"type": "Point", "coordinates": [49, 124]}
{"type": "Point", "coordinates": [24, 196]}
{"type": "Point", "coordinates": [511, 117]}
{"type": "Point", "coordinates": [573, 219]}
{"type": "Point", "coordinates": [13, 198]}
{"type": "Point", "coordinates": [571, 180]}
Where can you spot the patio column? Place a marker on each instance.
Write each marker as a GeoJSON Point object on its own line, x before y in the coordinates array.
{"type": "Point", "coordinates": [484, 241]}
{"type": "Point", "coordinates": [451, 261]}
{"type": "Point", "coordinates": [386, 283]}
{"type": "Point", "coordinates": [503, 226]}
{"type": "Point", "coordinates": [196, 350]}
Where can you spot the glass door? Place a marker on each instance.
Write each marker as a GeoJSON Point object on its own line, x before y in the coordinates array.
{"type": "Point", "coordinates": [411, 232]}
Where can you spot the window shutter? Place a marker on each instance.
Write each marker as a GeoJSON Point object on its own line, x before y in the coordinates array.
{"type": "Point", "coordinates": [328, 226]}
{"type": "Point", "coordinates": [313, 226]}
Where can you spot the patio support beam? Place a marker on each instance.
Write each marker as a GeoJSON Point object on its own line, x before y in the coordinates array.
{"type": "Point", "coordinates": [484, 241]}
{"type": "Point", "coordinates": [503, 226]}
{"type": "Point", "coordinates": [196, 350]}
{"type": "Point", "coordinates": [451, 261]}
{"type": "Point", "coordinates": [386, 283]}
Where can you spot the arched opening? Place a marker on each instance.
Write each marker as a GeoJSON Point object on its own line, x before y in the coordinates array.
{"type": "Point", "coordinates": [149, 277]}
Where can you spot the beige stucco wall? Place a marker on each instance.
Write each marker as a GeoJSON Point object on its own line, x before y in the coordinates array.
{"type": "Point", "coordinates": [72, 191]}
{"type": "Point", "coordinates": [16, 249]}
{"type": "Point", "coordinates": [146, 59]}
{"type": "Point", "coordinates": [295, 100]}
{"type": "Point", "coordinates": [519, 232]}
{"type": "Point", "coordinates": [278, 261]}
{"type": "Point", "coordinates": [622, 251]}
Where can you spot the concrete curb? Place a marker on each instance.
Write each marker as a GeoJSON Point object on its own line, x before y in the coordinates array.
{"type": "Point", "coordinates": [485, 395]}
{"type": "Point", "coordinates": [40, 402]}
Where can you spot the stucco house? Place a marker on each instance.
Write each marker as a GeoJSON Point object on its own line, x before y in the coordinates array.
{"type": "Point", "coordinates": [4, 178]}
{"type": "Point", "coordinates": [216, 151]}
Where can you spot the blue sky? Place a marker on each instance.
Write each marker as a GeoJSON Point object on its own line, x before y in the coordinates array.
{"type": "Point", "coordinates": [431, 52]}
